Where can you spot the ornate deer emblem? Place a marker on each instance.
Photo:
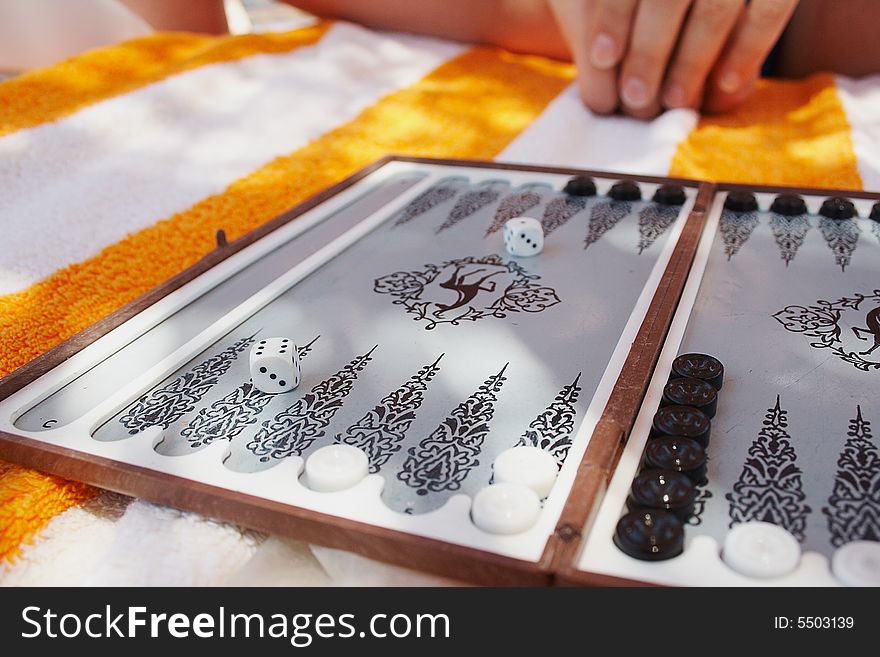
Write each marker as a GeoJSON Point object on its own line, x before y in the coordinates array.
{"type": "Point", "coordinates": [465, 291]}
{"type": "Point", "coordinates": [822, 322]}
{"type": "Point", "coordinates": [873, 329]}
{"type": "Point", "coordinates": [482, 287]}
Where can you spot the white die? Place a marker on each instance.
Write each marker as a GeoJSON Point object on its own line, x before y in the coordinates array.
{"type": "Point", "coordinates": [274, 364]}
{"type": "Point", "coordinates": [523, 236]}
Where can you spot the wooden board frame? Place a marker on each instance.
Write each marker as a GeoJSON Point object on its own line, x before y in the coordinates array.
{"type": "Point", "coordinates": [566, 572]}
{"type": "Point", "coordinates": [391, 546]}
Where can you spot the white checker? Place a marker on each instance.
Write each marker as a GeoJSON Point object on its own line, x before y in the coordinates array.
{"type": "Point", "coordinates": [155, 434]}
{"type": "Point", "coordinates": [857, 563]}
{"type": "Point", "coordinates": [505, 508]}
{"type": "Point", "coordinates": [336, 467]}
{"type": "Point", "coordinates": [527, 465]}
{"type": "Point", "coordinates": [761, 549]}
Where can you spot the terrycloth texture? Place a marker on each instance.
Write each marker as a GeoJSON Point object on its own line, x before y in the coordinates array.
{"type": "Point", "coordinates": [71, 545]}
{"type": "Point", "coordinates": [183, 130]}
{"type": "Point", "coordinates": [789, 133]}
{"type": "Point", "coordinates": [117, 168]}
{"type": "Point", "coordinates": [61, 90]}
{"type": "Point", "coordinates": [280, 562]}
{"type": "Point", "coordinates": [566, 135]}
{"type": "Point", "coordinates": [114, 541]}
{"type": "Point", "coordinates": [158, 546]}
{"type": "Point", "coordinates": [28, 499]}
{"type": "Point", "coordinates": [348, 569]}
{"type": "Point", "coordinates": [861, 101]}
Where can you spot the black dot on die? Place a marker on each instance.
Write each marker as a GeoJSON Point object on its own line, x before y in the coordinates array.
{"type": "Point", "coordinates": [522, 236]}
{"type": "Point", "coordinates": [282, 383]}
{"type": "Point", "coordinates": [272, 376]}
{"type": "Point", "coordinates": [262, 342]}
{"type": "Point", "coordinates": [281, 352]}
{"type": "Point", "coordinates": [262, 370]}
{"type": "Point", "coordinates": [284, 340]}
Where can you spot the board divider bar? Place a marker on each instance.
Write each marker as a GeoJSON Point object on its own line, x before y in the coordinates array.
{"type": "Point", "coordinates": [623, 406]}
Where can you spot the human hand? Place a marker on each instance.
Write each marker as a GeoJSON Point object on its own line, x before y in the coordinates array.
{"type": "Point", "coordinates": [645, 55]}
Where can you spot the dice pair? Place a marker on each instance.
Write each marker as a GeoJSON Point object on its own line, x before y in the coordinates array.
{"type": "Point", "coordinates": [274, 365]}
{"type": "Point", "coordinates": [523, 236]}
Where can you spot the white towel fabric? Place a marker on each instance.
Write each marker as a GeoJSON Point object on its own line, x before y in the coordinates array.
{"type": "Point", "coordinates": [281, 562]}
{"type": "Point", "coordinates": [128, 161]}
{"type": "Point", "coordinates": [861, 102]}
{"type": "Point", "coordinates": [113, 540]}
{"type": "Point", "coordinates": [69, 547]}
{"type": "Point", "coordinates": [565, 134]}
{"type": "Point", "coordinates": [349, 569]}
{"type": "Point", "coordinates": [158, 546]}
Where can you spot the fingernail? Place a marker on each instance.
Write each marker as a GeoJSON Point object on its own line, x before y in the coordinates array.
{"type": "Point", "coordinates": [673, 96]}
{"type": "Point", "coordinates": [729, 82]}
{"type": "Point", "coordinates": [635, 93]}
{"type": "Point", "coordinates": [603, 52]}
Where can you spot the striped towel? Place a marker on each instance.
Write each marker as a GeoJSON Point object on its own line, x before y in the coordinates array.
{"type": "Point", "coordinates": [117, 167]}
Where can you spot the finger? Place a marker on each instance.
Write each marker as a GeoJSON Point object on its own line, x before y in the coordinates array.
{"type": "Point", "coordinates": [717, 102]}
{"type": "Point", "coordinates": [649, 111]}
{"type": "Point", "coordinates": [653, 37]}
{"type": "Point", "coordinates": [611, 22]}
{"type": "Point", "coordinates": [597, 87]}
{"type": "Point", "coordinates": [753, 38]}
{"type": "Point", "coordinates": [706, 30]}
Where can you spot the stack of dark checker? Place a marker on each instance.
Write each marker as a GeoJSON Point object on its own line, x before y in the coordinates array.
{"type": "Point", "coordinates": [664, 494]}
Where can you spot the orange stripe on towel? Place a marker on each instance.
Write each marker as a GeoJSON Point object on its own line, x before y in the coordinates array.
{"type": "Point", "coordinates": [51, 93]}
{"type": "Point", "coordinates": [788, 133]}
{"type": "Point", "coordinates": [28, 500]}
{"type": "Point", "coordinates": [470, 107]}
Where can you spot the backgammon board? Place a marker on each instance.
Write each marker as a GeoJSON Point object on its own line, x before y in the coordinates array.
{"type": "Point", "coordinates": [431, 352]}
{"type": "Point", "coordinates": [785, 292]}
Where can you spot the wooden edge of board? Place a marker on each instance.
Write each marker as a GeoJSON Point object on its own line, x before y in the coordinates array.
{"type": "Point", "coordinates": [788, 189]}
{"type": "Point", "coordinates": [566, 171]}
{"type": "Point", "coordinates": [399, 548]}
{"type": "Point", "coordinates": [391, 546]}
{"type": "Point", "coordinates": [619, 415]}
